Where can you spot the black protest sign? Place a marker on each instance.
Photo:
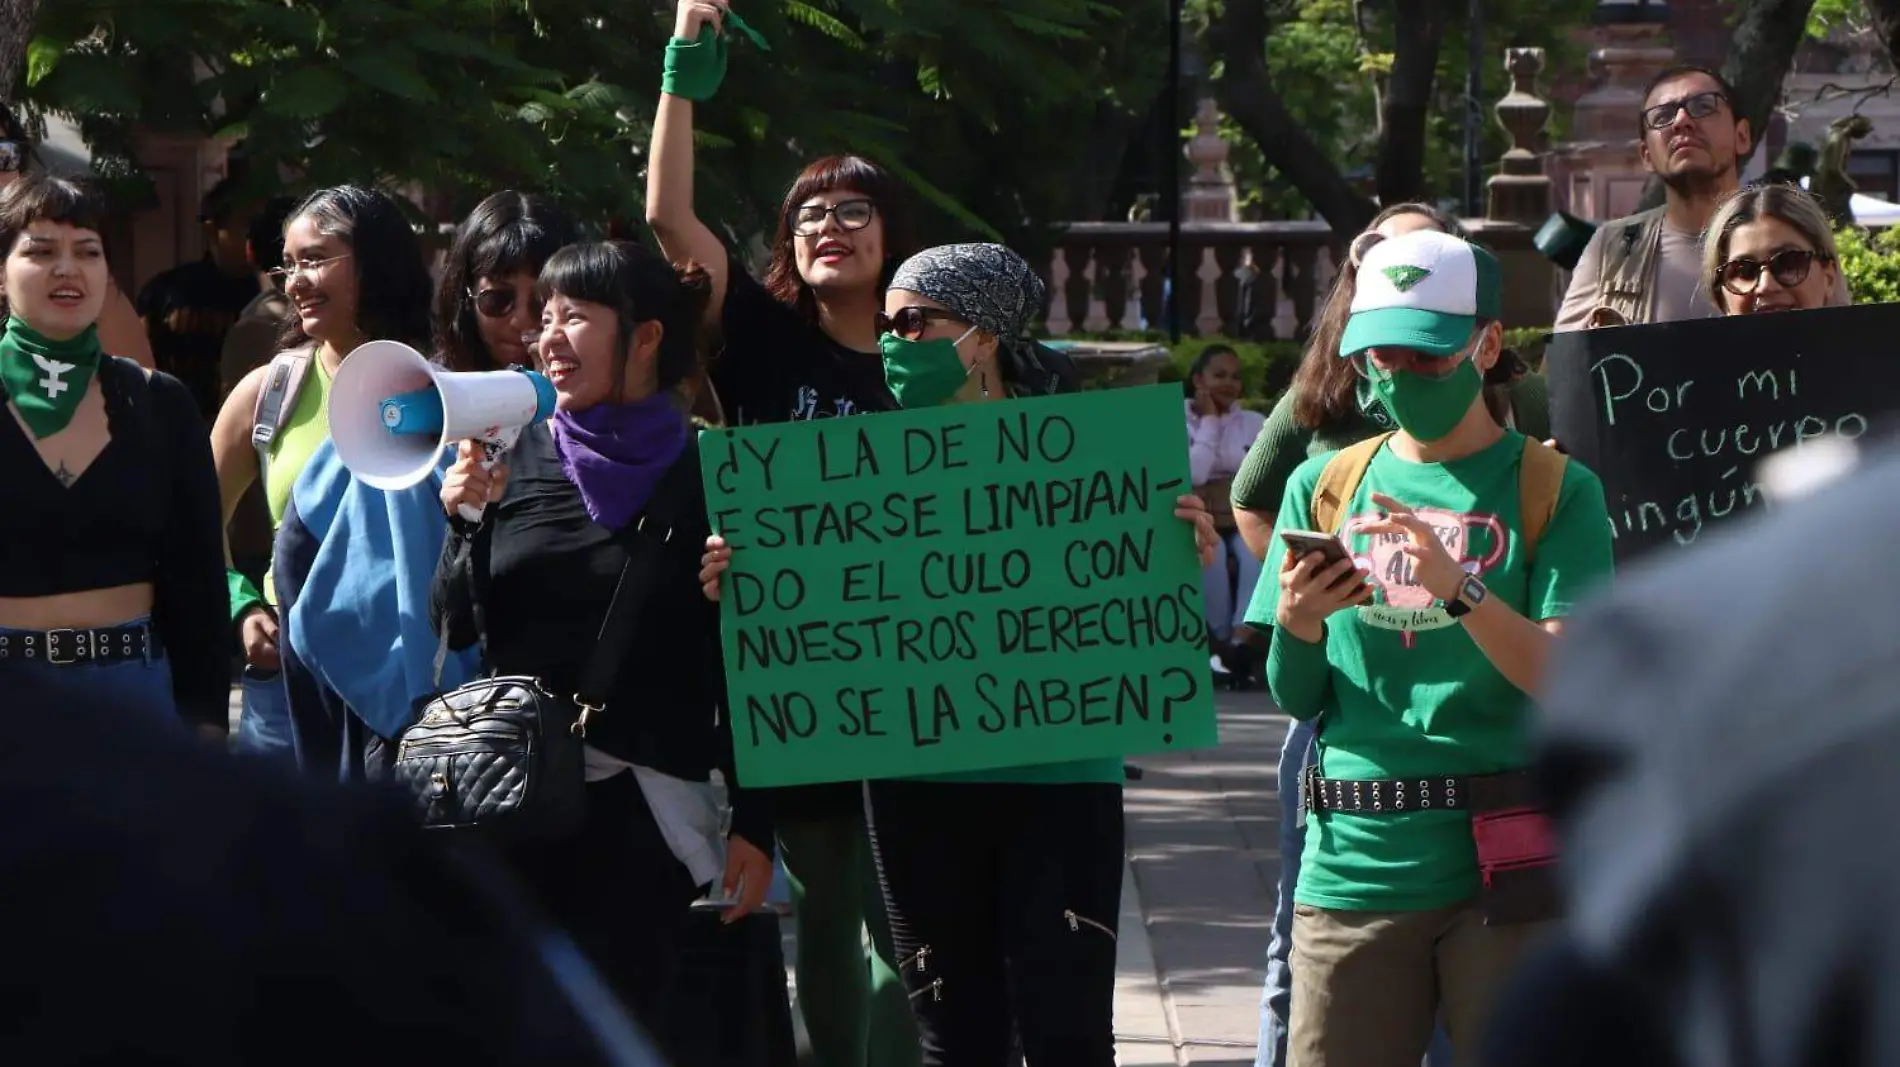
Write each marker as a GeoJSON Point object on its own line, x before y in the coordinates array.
{"type": "Point", "coordinates": [1676, 417]}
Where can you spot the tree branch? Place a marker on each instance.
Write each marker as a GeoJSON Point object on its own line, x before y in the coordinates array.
{"type": "Point", "coordinates": [1246, 92]}
{"type": "Point", "coordinates": [1418, 28]}
{"type": "Point", "coordinates": [1760, 56]}
{"type": "Point", "coordinates": [17, 18]}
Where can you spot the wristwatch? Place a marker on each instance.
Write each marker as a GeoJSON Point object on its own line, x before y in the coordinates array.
{"type": "Point", "coordinates": [1471, 593]}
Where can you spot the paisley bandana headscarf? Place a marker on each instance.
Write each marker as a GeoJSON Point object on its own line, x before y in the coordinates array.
{"type": "Point", "coordinates": [993, 289]}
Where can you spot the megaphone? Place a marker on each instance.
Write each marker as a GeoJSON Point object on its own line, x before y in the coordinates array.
{"type": "Point", "coordinates": [392, 412]}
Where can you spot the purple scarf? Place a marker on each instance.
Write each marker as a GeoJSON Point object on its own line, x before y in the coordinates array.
{"type": "Point", "coordinates": [615, 453]}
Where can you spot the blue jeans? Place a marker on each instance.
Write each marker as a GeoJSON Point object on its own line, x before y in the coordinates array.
{"type": "Point", "coordinates": [1228, 597]}
{"type": "Point", "coordinates": [264, 726]}
{"type": "Point", "coordinates": [141, 687]}
{"type": "Point", "coordinates": [1276, 999]}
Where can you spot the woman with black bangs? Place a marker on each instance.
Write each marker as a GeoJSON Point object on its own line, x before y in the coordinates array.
{"type": "Point", "coordinates": [353, 658]}
{"type": "Point", "coordinates": [803, 345]}
{"type": "Point", "coordinates": [486, 312]}
{"type": "Point", "coordinates": [618, 461]}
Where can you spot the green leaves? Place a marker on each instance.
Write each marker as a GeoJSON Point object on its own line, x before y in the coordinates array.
{"type": "Point", "coordinates": [986, 106]}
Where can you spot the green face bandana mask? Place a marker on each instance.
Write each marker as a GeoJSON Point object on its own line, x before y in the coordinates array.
{"type": "Point", "coordinates": [923, 374]}
{"type": "Point", "coordinates": [1429, 408]}
{"type": "Point", "coordinates": [45, 378]}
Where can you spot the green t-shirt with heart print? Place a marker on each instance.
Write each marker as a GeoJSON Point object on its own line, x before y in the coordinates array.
{"type": "Point", "coordinates": [1407, 692]}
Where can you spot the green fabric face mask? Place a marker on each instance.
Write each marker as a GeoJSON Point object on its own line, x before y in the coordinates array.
{"type": "Point", "coordinates": [695, 69]}
{"type": "Point", "coordinates": [1429, 408]}
{"type": "Point", "coordinates": [923, 374]}
{"type": "Point", "coordinates": [46, 379]}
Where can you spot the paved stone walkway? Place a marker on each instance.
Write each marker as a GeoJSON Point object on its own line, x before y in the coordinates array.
{"type": "Point", "coordinates": [1198, 905]}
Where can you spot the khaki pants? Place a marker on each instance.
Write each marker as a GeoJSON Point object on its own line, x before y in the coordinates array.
{"type": "Point", "coordinates": [1368, 985]}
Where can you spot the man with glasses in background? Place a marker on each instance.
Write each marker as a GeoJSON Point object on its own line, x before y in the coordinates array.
{"type": "Point", "coordinates": [1647, 267]}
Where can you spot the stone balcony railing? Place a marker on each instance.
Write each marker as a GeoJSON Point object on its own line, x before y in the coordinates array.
{"type": "Point", "coordinates": [1250, 280]}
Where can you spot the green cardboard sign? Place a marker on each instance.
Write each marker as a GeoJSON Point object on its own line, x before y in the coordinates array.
{"type": "Point", "coordinates": [960, 588]}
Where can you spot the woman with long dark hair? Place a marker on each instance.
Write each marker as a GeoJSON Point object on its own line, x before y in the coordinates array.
{"type": "Point", "coordinates": [802, 345]}
{"type": "Point", "coordinates": [109, 590]}
{"type": "Point", "coordinates": [531, 583]}
{"type": "Point", "coordinates": [486, 310]}
{"type": "Point", "coordinates": [352, 563]}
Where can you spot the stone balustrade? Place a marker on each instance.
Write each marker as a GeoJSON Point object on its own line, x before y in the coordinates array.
{"type": "Point", "coordinates": [1257, 281]}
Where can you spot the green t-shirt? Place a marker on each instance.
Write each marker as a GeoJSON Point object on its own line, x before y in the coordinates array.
{"type": "Point", "coordinates": [1407, 693]}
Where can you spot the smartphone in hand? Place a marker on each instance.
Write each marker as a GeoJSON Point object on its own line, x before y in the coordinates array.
{"type": "Point", "coordinates": [1306, 542]}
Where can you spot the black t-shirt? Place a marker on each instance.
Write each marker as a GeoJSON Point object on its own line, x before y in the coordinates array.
{"type": "Point", "coordinates": [774, 366]}
{"type": "Point", "coordinates": [187, 311]}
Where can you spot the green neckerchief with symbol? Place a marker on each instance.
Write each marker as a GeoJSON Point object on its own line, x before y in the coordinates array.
{"type": "Point", "coordinates": [46, 379]}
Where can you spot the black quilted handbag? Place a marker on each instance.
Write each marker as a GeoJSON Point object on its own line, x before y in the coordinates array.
{"type": "Point", "coordinates": [505, 756]}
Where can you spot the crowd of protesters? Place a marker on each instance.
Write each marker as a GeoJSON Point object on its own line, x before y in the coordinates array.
{"type": "Point", "coordinates": [189, 505]}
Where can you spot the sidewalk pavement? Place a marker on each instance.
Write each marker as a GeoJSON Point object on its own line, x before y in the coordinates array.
{"type": "Point", "coordinates": [1197, 902]}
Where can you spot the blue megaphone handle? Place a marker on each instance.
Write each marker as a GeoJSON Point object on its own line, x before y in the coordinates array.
{"type": "Point", "coordinates": [420, 411]}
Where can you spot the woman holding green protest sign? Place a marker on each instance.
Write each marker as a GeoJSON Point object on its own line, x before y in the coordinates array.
{"type": "Point", "coordinates": [800, 345]}
{"type": "Point", "coordinates": [1003, 886]}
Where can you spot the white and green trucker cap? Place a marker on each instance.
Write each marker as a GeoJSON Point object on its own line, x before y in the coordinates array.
{"type": "Point", "coordinates": [1423, 290]}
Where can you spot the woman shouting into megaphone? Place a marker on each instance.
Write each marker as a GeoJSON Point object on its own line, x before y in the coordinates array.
{"type": "Point", "coordinates": [607, 497]}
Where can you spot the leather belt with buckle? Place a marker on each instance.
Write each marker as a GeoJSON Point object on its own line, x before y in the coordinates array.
{"type": "Point", "coordinates": [68, 648]}
{"type": "Point", "coordinates": [1384, 796]}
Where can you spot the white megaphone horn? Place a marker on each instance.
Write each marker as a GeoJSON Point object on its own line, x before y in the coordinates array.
{"type": "Point", "coordinates": [392, 412]}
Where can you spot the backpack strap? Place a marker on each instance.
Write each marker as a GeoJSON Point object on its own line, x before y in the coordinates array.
{"type": "Point", "coordinates": [1339, 480]}
{"type": "Point", "coordinates": [1540, 480]}
{"type": "Point", "coordinates": [283, 384]}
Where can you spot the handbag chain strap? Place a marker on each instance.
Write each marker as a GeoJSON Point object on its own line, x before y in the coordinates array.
{"type": "Point", "coordinates": [646, 542]}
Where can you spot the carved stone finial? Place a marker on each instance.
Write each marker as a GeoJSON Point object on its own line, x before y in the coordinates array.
{"type": "Point", "coordinates": [1520, 192]}
{"type": "Point", "coordinates": [1209, 196]}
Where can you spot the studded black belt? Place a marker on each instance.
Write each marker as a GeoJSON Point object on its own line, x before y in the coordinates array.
{"type": "Point", "coordinates": [68, 648]}
{"type": "Point", "coordinates": [1383, 796]}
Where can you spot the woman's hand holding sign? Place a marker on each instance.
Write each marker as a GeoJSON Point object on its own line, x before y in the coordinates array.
{"type": "Point", "coordinates": [712, 564]}
{"type": "Point", "coordinates": [1192, 509]}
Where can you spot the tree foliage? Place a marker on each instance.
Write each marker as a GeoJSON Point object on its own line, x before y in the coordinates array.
{"type": "Point", "coordinates": [1328, 63]}
{"type": "Point", "coordinates": [986, 104]}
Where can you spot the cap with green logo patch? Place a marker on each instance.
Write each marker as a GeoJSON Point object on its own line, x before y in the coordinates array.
{"type": "Point", "coordinates": [1423, 290]}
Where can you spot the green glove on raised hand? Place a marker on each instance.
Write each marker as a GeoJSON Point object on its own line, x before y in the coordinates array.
{"type": "Point", "coordinates": [694, 69]}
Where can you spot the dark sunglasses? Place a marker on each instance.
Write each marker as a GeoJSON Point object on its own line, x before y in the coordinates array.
{"type": "Point", "coordinates": [851, 215]}
{"type": "Point", "coordinates": [12, 157]}
{"type": "Point", "coordinates": [910, 322]}
{"type": "Point", "coordinates": [494, 303]}
{"type": "Point", "coordinates": [1790, 266]}
{"type": "Point", "coordinates": [1699, 106]}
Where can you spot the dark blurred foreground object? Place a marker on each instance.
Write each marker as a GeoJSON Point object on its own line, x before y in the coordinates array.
{"type": "Point", "coordinates": [1720, 751]}
{"type": "Point", "coordinates": [1563, 238]}
{"type": "Point", "coordinates": [161, 902]}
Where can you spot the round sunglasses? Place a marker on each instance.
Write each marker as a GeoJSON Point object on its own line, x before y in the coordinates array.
{"type": "Point", "coordinates": [493, 303]}
{"type": "Point", "coordinates": [910, 322]}
{"type": "Point", "coordinates": [1790, 266]}
{"type": "Point", "coordinates": [809, 220]}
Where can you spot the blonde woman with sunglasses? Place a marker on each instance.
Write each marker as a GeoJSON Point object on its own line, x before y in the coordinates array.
{"type": "Point", "coordinates": [1770, 248]}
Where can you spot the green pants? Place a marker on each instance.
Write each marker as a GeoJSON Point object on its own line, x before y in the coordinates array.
{"type": "Point", "coordinates": [855, 1008]}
